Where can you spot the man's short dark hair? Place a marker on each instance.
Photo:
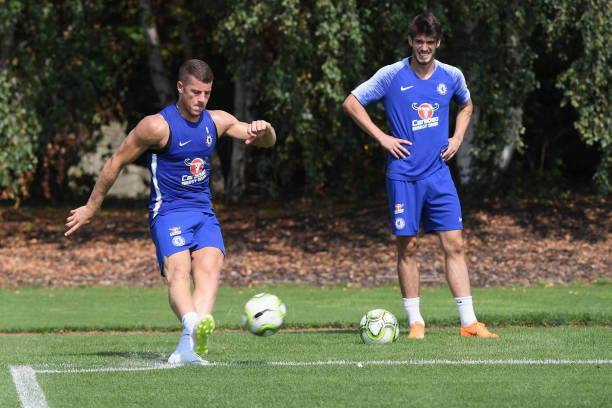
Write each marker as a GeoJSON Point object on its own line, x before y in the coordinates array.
{"type": "Point", "coordinates": [426, 24]}
{"type": "Point", "coordinates": [197, 69]}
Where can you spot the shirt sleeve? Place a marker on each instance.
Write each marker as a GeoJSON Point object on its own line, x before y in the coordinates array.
{"type": "Point", "coordinates": [376, 87]}
{"type": "Point", "coordinates": [462, 94]}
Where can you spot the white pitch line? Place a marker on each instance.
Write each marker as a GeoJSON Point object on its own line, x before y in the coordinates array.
{"type": "Point", "coordinates": [327, 363]}
{"type": "Point", "coordinates": [30, 393]}
{"type": "Point", "coordinates": [32, 396]}
{"type": "Point", "coordinates": [108, 369]}
{"type": "Point", "coordinates": [407, 362]}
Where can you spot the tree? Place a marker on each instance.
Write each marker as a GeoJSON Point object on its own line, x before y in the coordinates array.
{"type": "Point", "coordinates": [51, 50]}
{"type": "Point", "coordinates": [19, 125]}
{"type": "Point", "coordinates": [159, 76]}
{"type": "Point", "coordinates": [491, 47]}
{"type": "Point", "coordinates": [586, 82]}
{"type": "Point", "coordinates": [19, 132]}
{"type": "Point", "coordinates": [292, 63]}
{"type": "Point", "coordinates": [235, 185]}
{"type": "Point", "coordinates": [300, 72]}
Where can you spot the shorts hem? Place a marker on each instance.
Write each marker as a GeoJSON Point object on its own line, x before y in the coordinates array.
{"type": "Point", "coordinates": [404, 233]}
{"type": "Point", "coordinates": [210, 246]}
{"type": "Point", "coordinates": [442, 229]}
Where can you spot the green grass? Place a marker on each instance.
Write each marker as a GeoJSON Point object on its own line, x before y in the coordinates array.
{"type": "Point", "coordinates": [244, 377]}
{"type": "Point", "coordinates": [341, 385]}
{"type": "Point", "coordinates": [128, 309]}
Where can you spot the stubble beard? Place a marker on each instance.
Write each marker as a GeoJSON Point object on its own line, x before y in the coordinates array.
{"type": "Point", "coordinates": [192, 111]}
{"type": "Point", "coordinates": [430, 59]}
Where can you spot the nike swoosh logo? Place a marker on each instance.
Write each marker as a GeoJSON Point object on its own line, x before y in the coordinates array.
{"type": "Point", "coordinates": [405, 88]}
{"type": "Point", "coordinates": [259, 314]}
{"type": "Point", "coordinates": [183, 144]}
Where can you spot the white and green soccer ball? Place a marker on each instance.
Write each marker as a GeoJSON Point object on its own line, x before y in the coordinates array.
{"type": "Point", "coordinates": [378, 326]}
{"type": "Point", "coordinates": [263, 314]}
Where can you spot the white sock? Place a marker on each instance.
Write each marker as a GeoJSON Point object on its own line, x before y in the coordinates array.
{"type": "Point", "coordinates": [466, 310]}
{"type": "Point", "coordinates": [190, 320]}
{"type": "Point", "coordinates": [413, 310]}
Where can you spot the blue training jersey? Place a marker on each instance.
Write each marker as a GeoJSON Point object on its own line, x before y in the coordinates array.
{"type": "Point", "coordinates": [418, 111]}
{"type": "Point", "coordinates": [180, 172]}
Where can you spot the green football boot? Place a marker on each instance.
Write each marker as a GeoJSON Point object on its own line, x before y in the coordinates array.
{"type": "Point", "coordinates": [202, 331]}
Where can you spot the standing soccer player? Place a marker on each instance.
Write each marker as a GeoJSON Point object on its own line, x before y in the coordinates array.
{"type": "Point", "coordinates": [416, 93]}
{"type": "Point", "coordinates": [179, 141]}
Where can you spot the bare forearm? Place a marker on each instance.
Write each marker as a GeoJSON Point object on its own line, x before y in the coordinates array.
{"type": "Point", "coordinates": [357, 112]}
{"type": "Point", "coordinates": [105, 181]}
{"type": "Point", "coordinates": [360, 116]}
{"type": "Point", "coordinates": [462, 121]}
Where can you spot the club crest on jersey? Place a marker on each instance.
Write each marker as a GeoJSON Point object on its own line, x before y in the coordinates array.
{"type": "Point", "coordinates": [197, 170]}
{"type": "Point", "coordinates": [426, 113]}
{"type": "Point", "coordinates": [442, 89]}
{"type": "Point", "coordinates": [208, 138]}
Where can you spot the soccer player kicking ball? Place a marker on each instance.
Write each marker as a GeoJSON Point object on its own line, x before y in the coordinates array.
{"type": "Point", "coordinates": [178, 142]}
{"type": "Point", "coordinates": [416, 93]}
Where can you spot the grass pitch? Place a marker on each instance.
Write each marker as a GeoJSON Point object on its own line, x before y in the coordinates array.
{"type": "Point", "coordinates": [565, 365]}
{"type": "Point", "coordinates": [108, 308]}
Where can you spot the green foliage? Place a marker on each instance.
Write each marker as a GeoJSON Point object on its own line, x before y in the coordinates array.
{"type": "Point", "coordinates": [87, 62]}
{"type": "Point", "coordinates": [19, 132]}
{"type": "Point", "coordinates": [72, 54]}
{"type": "Point", "coordinates": [305, 59]}
{"type": "Point", "coordinates": [493, 51]}
{"type": "Point", "coordinates": [586, 83]}
{"type": "Point", "coordinates": [302, 59]}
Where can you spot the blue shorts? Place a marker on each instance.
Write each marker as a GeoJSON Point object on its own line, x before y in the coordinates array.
{"type": "Point", "coordinates": [178, 231]}
{"type": "Point", "coordinates": [433, 200]}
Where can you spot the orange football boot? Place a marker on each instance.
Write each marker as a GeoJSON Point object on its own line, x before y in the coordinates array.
{"type": "Point", "coordinates": [477, 329]}
{"type": "Point", "coordinates": [417, 331]}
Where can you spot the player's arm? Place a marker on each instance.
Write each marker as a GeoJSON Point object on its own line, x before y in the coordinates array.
{"type": "Point", "coordinates": [358, 113]}
{"type": "Point", "coordinates": [149, 132]}
{"type": "Point", "coordinates": [258, 133]}
{"type": "Point", "coordinates": [461, 124]}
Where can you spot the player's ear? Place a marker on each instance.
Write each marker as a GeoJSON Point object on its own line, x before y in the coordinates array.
{"type": "Point", "coordinates": [179, 87]}
{"type": "Point", "coordinates": [410, 41]}
{"type": "Point", "coordinates": [438, 43]}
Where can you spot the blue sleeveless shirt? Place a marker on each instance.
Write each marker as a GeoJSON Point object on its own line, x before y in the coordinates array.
{"type": "Point", "coordinates": [180, 172]}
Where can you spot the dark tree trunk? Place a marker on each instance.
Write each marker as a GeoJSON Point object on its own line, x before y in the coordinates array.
{"type": "Point", "coordinates": [159, 76]}
{"type": "Point", "coordinates": [234, 187]}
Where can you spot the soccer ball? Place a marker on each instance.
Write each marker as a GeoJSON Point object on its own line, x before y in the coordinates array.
{"type": "Point", "coordinates": [263, 314]}
{"type": "Point", "coordinates": [378, 326]}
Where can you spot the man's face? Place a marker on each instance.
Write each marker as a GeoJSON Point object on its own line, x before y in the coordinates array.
{"type": "Point", "coordinates": [423, 48]}
{"type": "Point", "coordinates": [194, 95]}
